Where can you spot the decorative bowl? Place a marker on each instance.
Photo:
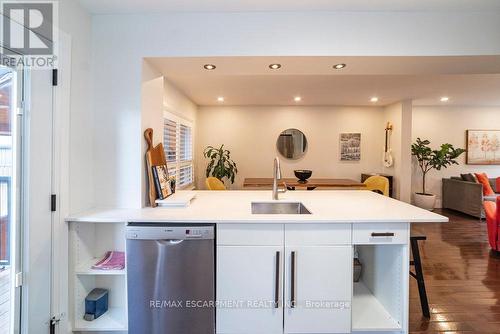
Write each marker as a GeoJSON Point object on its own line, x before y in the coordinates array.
{"type": "Point", "coordinates": [303, 174]}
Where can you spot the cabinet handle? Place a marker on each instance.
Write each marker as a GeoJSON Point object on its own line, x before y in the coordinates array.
{"type": "Point", "coordinates": [293, 269]}
{"type": "Point", "coordinates": [385, 234]}
{"type": "Point", "coordinates": [278, 280]}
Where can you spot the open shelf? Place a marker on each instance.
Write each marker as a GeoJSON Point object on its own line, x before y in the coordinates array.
{"type": "Point", "coordinates": [85, 268]}
{"type": "Point", "coordinates": [380, 297]}
{"type": "Point", "coordinates": [88, 243]}
{"type": "Point", "coordinates": [368, 314]}
{"type": "Point", "coordinates": [113, 320]}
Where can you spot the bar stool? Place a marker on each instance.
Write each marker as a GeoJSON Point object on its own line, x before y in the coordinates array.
{"type": "Point", "coordinates": [418, 274]}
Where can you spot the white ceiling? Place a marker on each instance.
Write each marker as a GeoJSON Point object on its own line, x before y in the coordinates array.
{"type": "Point", "coordinates": [155, 6]}
{"type": "Point", "coordinates": [249, 81]}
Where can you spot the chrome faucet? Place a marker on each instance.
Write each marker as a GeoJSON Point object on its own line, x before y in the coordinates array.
{"type": "Point", "coordinates": [276, 178]}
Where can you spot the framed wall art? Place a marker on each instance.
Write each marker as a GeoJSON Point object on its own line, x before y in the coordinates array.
{"type": "Point", "coordinates": [483, 147]}
{"type": "Point", "coordinates": [350, 146]}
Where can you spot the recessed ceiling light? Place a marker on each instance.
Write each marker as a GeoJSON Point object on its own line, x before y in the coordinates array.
{"type": "Point", "coordinates": [445, 99]}
{"type": "Point", "coordinates": [209, 67]}
{"type": "Point", "coordinates": [220, 99]}
{"type": "Point", "coordinates": [297, 99]}
{"type": "Point", "coordinates": [339, 66]}
{"type": "Point", "coordinates": [374, 99]}
{"type": "Point", "coordinates": [275, 66]}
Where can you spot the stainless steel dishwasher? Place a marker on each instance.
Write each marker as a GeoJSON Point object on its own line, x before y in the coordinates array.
{"type": "Point", "coordinates": [170, 278]}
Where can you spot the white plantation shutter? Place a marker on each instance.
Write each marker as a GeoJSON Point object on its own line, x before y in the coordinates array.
{"type": "Point", "coordinates": [178, 145]}
{"type": "Point", "coordinates": [170, 139]}
{"type": "Point", "coordinates": [186, 176]}
{"type": "Point", "coordinates": [186, 151]}
{"type": "Point", "coordinates": [185, 155]}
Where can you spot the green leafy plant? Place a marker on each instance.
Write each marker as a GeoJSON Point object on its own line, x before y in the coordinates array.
{"type": "Point", "coordinates": [429, 159]}
{"type": "Point", "coordinates": [221, 165]}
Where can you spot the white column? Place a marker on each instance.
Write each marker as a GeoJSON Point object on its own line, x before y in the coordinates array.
{"type": "Point", "coordinates": [406, 162]}
{"type": "Point", "coordinates": [400, 115]}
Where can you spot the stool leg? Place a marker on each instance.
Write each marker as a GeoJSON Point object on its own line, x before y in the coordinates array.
{"type": "Point", "coordinates": [420, 279]}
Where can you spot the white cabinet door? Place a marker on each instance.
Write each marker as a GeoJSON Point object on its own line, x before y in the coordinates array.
{"type": "Point", "coordinates": [318, 289]}
{"type": "Point", "coordinates": [249, 281]}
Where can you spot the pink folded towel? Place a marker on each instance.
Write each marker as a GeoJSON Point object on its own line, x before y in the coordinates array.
{"type": "Point", "coordinates": [112, 260]}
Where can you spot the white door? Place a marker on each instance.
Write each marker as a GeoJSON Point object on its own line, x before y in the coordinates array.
{"type": "Point", "coordinates": [318, 288]}
{"type": "Point", "coordinates": [249, 289]}
{"type": "Point", "coordinates": [37, 219]}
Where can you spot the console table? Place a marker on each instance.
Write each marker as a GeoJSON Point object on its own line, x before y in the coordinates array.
{"type": "Point", "coordinates": [311, 184]}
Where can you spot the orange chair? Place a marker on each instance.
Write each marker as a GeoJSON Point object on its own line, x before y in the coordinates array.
{"type": "Point", "coordinates": [492, 211]}
{"type": "Point", "coordinates": [214, 183]}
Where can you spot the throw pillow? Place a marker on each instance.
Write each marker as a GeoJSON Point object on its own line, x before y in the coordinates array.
{"type": "Point", "coordinates": [483, 179]}
{"type": "Point", "coordinates": [468, 178]}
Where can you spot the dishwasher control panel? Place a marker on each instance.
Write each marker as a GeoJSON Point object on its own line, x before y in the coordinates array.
{"type": "Point", "coordinates": [166, 232]}
{"type": "Point", "coordinates": [196, 233]}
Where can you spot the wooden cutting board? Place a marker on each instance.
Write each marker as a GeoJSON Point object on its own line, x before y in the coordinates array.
{"type": "Point", "coordinates": [155, 156]}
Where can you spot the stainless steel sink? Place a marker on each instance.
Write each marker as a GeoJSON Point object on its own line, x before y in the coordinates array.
{"type": "Point", "coordinates": [279, 208]}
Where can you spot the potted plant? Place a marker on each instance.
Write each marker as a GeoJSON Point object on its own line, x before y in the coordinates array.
{"type": "Point", "coordinates": [221, 165]}
{"type": "Point", "coordinates": [429, 159]}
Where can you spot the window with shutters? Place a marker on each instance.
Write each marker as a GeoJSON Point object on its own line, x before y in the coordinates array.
{"type": "Point", "coordinates": [178, 145]}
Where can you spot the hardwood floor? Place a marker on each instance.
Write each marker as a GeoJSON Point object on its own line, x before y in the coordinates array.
{"type": "Point", "coordinates": [462, 278]}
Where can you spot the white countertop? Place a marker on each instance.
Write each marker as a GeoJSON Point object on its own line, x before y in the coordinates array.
{"type": "Point", "coordinates": [326, 206]}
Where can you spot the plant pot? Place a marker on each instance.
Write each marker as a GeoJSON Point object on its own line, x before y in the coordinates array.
{"type": "Point", "coordinates": [424, 201]}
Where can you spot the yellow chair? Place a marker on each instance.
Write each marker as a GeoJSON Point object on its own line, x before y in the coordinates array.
{"type": "Point", "coordinates": [378, 183]}
{"type": "Point", "coordinates": [214, 183]}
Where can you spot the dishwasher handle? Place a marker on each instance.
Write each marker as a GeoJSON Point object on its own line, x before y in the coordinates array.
{"type": "Point", "coordinates": [169, 242]}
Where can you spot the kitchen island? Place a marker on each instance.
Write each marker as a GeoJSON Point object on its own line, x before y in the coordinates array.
{"type": "Point", "coordinates": [289, 273]}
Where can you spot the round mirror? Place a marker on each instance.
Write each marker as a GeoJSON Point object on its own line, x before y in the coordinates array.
{"type": "Point", "coordinates": [292, 144]}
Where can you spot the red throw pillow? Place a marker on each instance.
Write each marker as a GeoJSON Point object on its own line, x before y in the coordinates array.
{"type": "Point", "coordinates": [483, 179]}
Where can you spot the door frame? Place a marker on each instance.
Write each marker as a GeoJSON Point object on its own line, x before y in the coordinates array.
{"type": "Point", "coordinates": [60, 186]}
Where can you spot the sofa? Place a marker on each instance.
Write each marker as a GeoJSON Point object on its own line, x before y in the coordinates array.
{"type": "Point", "coordinates": [492, 210]}
{"type": "Point", "coordinates": [467, 197]}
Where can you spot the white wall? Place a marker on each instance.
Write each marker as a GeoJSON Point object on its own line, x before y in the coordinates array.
{"type": "Point", "coordinates": [152, 111]}
{"type": "Point", "coordinates": [176, 102]}
{"type": "Point", "coordinates": [448, 125]}
{"type": "Point", "coordinates": [250, 133]}
{"type": "Point", "coordinates": [76, 22]}
{"type": "Point", "coordinates": [120, 42]}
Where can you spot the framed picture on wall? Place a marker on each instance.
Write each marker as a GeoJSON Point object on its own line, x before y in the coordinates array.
{"type": "Point", "coordinates": [483, 147]}
{"type": "Point", "coordinates": [350, 146]}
